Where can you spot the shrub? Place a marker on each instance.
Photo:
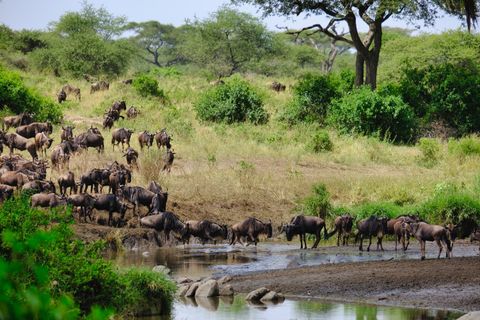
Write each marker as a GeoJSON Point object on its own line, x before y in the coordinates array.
{"type": "Point", "coordinates": [318, 204]}
{"type": "Point", "coordinates": [146, 85]}
{"type": "Point", "coordinates": [234, 101]}
{"type": "Point", "coordinates": [320, 142]}
{"type": "Point", "coordinates": [464, 147]}
{"type": "Point", "coordinates": [379, 209]}
{"type": "Point", "coordinates": [18, 98]}
{"type": "Point", "coordinates": [430, 149]}
{"type": "Point", "coordinates": [311, 97]}
{"type": "Point", "coordinates": [450, 207]}
{"type": "Point", "coordinates": [368, 112]}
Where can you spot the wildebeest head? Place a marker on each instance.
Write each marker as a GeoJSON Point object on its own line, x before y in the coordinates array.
{"type": "Point", "coordinates": [49, 128]}
{"type": "Point", "coordinates": [383, 223]}
{"type": "Point", "coordinates": [67, 132]}
{"type": "Point", "coordinates": [93, 129]}
{"type": "Point", "coordinates": [269, 229]}
{"type": "Point", "coordinates": [289, 231]}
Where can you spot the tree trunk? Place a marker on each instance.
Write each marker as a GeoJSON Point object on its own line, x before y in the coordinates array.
{"type": "Point", "coordinates": [359, 69]}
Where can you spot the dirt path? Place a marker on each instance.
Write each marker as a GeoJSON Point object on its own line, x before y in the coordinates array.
{"type": "Point", "coordinates": [442, 284]}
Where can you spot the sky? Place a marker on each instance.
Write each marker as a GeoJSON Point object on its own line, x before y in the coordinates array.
{"type": "Point", "coordinates": [37, 14]}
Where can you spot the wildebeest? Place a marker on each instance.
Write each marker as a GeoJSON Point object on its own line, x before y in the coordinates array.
{"type": "Point", "coordinates": [67, 133]}
{"type": "Point", "coordinates": [427, 232]}
{"type": "Point", "coordinates": [15, 141]}
{"type": "Point", "coordinates": [131, 155]}
{"type": "Point", "coordinates": [402, 234]}
{"type": "Point", "coordinates": [127, 81]}
{"type": "Point", "coordinates": [14, 179]}
{"type": "Point", "coordinates": [6, 192]}
{"type": "Point", "coordinates": [108, 122]}
{"type": "Point", "coordinates": [168, 158]}
{"type": "Point", "coordinates": [159, 202]}
{"type": "Point", "coordinates": [145, 139]}
{"type": "Point", "coordinates": [343, 228]}
{"type": "Point", "coordinates": [110, 203]}
{"type": "Point", "coordinates": [114, 114]}
{"type": "Point", "coordinates": [39, 186]}
{"type": "Point", "coordinates": [391, 222]}
{"type": "Point", "coordinates": [138, 196]}
{"type": "Point", "coordinates": [42, 143]}
{"type": "Point", "coordinates": [302, 225]}
{"type": "Point", "coordinates": [121, 135]}
{"type": "Point", "coordinates": [66, 181]}
{"type": "Point", "coordinates": [16, 121]}
{"type": "Point", "coordinates": [205, 230]}
{"type": "Point", "coordinates": [85, 202]}
{"type": "Point", "coordinates": [154, 187]}
{"type": "Point", "coordinates": [61, 96]}
{"type": "Point", "coordinates": [277, 86]}
{"type": "Point", "coordinates": [165, 221]}
{"type": "Point", "coordinates": [163, 139]}
{"type": "Point", "coordinates": [90, 139]}
{"type": "Point", "coordinates": [250, 228]}
{"type": "Point", "coordinates": [100, 85]}
{"type": "Point", "coordinates": [117, 179]}
{"type": "Point", "coordinates": [30, 130]}
{"type": "Point", "coordinates": [119, 106]}
{"type": "Point", "coordinates": [59, 158]}
{"type": "Point", "coordinates": [69, 89]}
{"type": "Point", "coordinates": [47, 200]}
{"type": "Point", "coordinates": [91, 179]}
{"type": "Point", "coordinates": [372, 226]}
{"type": "Point", "coordinates": [463, 229]}
{"type": "Point", "coordinates": [132, 112]}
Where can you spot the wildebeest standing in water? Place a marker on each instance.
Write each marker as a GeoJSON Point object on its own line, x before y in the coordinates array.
{"type": "Point", "coordinates": [205, 230]}
{"type": "Point", "coordinates": [427, 232]}
{"type": "Point", "coordinates": [343, 228]}
{"type": "Point", "coordinates": [165, 221]}
{"type": "Point", "coordinates": [372, 226]}
{"type": "Point", "coordinates": [402, 232]}
{"type": "Point", "coordinates": [302, 225]}
{"type": "Point", "coordinates": [250, 228]}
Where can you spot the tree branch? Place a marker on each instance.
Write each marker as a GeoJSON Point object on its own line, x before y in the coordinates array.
{"type": "Point", "coordinates": [326, 31]}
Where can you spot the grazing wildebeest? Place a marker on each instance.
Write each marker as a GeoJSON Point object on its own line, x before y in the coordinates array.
{"type": "Point", "coordinates": [423, 232]}
{"type": "Point", "coordinates": [119, 106]}
{"type": "Point", "coordinates": [168, 158]}
{"type": "Point", "coordinates": [131, 156]}
{"type": "Point", "coordinates": [205, 230]}
{"type": "Point", "coordinates": [343, 228]}
{"type": "Point", "coordinates": [108, 122]}
{"type": "Point", "coordinates": [250, 228]}
{"type": "Point", "coordinates": [59, 158]}
{"type": "Point", "coordinates": [159, 202]}
{"type": "Point", "coordinates": [164, 221]}
{"type": "Point", "coordinates": [67, 133]}
{"type": "Point", "coordinates": [61, 96]}
{"type": "Point", "coordinates": [14, 179]}
{"type": "Point", "coordinates": [163, 139]}
{"type": "Point", "coordinates": [85, 202]}
{"type": "Point", "coordinates": [302, 225]}
{"type": "Point", "coordinates": [132, 112]}
{"type": "Point", "coordinates": [15, 141]}
{"type": "Point", "coordinates": [114, 114]}
{"type": "Point", "coordinates": [66, 181]}
{"type": "Point", "coordinates": [47, 200]}
{"type": "Point", "coordinates": [69, 89]}
{"type": "Point", "coordinates": [30, 130]}
{"type": "Point", "coordinates": [97, 86]}
{"type": "Point", "coordinates": [277, 86]}
{"type": "Point", "coordinates": [372, 226]}
{"type": "Point", "coordinates": [138, 196]}
{"type": "Point", "coordinates": [121, 135]}
{"type": "Point", "coordinates": [6, 192]}
{"type": "Point", "coordinates": [42, 143]}
{"type": "Point", "coordinates": [16, 121]}
{"type": "Point", "coordinates": [145, 139]}
{"type": "Point", "coordinates": [91, 179]}
{"type": "Point", "coordinates": [154, 187]}
{"type": "Point", "coordinates": [402, 234]}
{"type": "Point", "coordinates": [90, 139]}
{"type": "Point", "coordinates": [110, 203]}
{"type": "Point", "coordinates": [39, 186]}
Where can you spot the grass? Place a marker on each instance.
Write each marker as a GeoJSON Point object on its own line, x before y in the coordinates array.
{"type": "Point", "coordinates": [227, 173]}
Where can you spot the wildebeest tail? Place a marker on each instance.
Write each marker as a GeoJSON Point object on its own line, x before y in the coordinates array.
{"type": "Point", "coordinates": [328, 235]}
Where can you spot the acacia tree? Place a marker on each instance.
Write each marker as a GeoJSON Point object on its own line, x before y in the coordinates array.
{"type": "Point", "coordinates": [351, 13]}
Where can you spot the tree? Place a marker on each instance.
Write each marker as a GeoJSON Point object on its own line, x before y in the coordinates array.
{"type": "Point", "coordinates": [467, 8]}
{"type": "Point", "coordinates": [226, 41]}
{"type": "Point", "coordinates": [371, 12]}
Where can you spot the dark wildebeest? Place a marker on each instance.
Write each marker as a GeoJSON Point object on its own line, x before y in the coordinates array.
{"type": "Point", "coordinates": [16, 121]}
{"type": "Point", "coordinates": [104, 85]}
{"type": "Point", "coordinates": [277, 86]}
{"type": "Point", "coordinates": [402, 233]}
{"type": "Point", "coordinates": [42, 143]}
{"type": "Point", "coordinates": [85, 202]}
{"type": "Point", "coordinates": [372, 226]}
{"type": "Point", "coordinates": [145, 139]}
{"type": "Point", "coordinates": [39, 186]}
{"type": "Point", "coordinates": [69, 89]}
{"type": "Point", "coordinates": [108, 122]}
{"type": "Point", "coordinates": [138, 196]}
{"type": "Point", "coordinates": [127, 81]}
{"type": "Point", "coordinates": [119, 106]}
{"type": "Point", "coordinates": [91, 179]}
{"type": "Point", "coordinates": [6, 192]}
{"type": "Point", "coordinates": [475, 236]}
{"type": "Point", "coordinates": [163, 139]}
{"type": "Point", "coordinates": [131, 155]}
{"type": "Point", "coordinates": [66, 181]}
{"type": "Point", "coordinates": [30, 130]}
{"type": "Point", "coordinates": [343, 228]}
{"type": "Point", "coordinates": [164, 221]}
{"type": "Point", "coordinates": [121, 135]}
{"type": "Point", "coordinates": [428, 232]}
{"type": "Point", "coordinates": [61, 96]}
{"type": "Point", "coordinates": [114, 114]}
{"type": "Point", "coordinates": [132, 112]}
{"type": "Point", "coordinates": [159, 202]}
{"type": "Point", "coordinates": [47, 200]}
{"type": "Point", "coordinates": [462, 230]}
{"type": "Point", "coordinates": [14, 179]}
{"type": "Point", "coordinates": [250, 228]}
{"type": "Point", "coordinates": [67, 133]}
{"type": "Point", "coordinates": [117, 180]}
{"type": "Point", "coordinates": [302, 225]}
{"type": "Point", "coordinates": [205, 230]}
{"type": "Point", "coordinates": [97, 86]}
{"type": "Point", "coordinates": [154, 187]}
{"type": "Point", "coordinates": [15, 141]}
{"type": "Point", "coordinates": [168, 158]}
{"type": "Point", "coordinates": [110, 203]}
{"type": "Point", "coordinates": [90, 140]}
{"type": "Point", "coordinates": [59, 158]}
{"type": "Point", "coordinates": [407, 218]}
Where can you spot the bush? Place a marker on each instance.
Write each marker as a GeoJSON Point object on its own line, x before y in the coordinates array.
{"type": "Point", "coordinates": [379, 209]}
{"type": "Point", "coordinates": [430, 149]}
{"type": "Point", "coordinates": [234, 101]}
{"type": "Point", "coordinates": [312, 96]}
{"type": "Point", "coordinates": [15, 96]}
{"type": "Point", "coordinates": [146, 85]}
{"type": "Point", "coordinates": [320, 142]}
{"type": "Point", "coordinates": [318, 204]}
{"type": "Point", "coordinates": [368, 112]}
{"type": "Point", "coordinates": [450, 207]}
{"type": "Point", "coordinates": [464, 147]}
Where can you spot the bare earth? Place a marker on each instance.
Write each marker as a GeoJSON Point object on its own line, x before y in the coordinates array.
{"type": "Point", "coordinates": [438, 284]}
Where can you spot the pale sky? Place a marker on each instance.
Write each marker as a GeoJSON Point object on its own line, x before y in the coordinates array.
{"type": "Point", "coordinates": [36, 14]}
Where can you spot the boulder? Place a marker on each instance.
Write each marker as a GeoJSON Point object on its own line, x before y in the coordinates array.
{"type": "Point", "coordinates": [257, 294]}
{"type": "Point", "coordinates": [272, 296]}
{"type": "Point", "coordinates": [184, 280]}
{"type": "Point", "coordinates": [226, 290]}
{"type": "Point", "coordinates": [207, 289]}
{"type": "Point", "coordinates": [193, 288]}
{"type": "Point", "coordinates": [224, 280]}
{"type": "Point", "coordinates": [475, 315]}
{"type": "Point", "coordinates": [161, 269]}
{"type": "Point", "coordinates": [182, 290]}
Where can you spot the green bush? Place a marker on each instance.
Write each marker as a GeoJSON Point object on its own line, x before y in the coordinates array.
{"type": "Point", "coordinates": [15, 96]}
{"type": "Point", "coordinates": [311, 98]}
{"type": "Point", "coordinates": [371, 113]}
{"type": "Point", "coordinates": [430, 149]}
{"type": "Point", "coordinates": [318, 204]}
{"type": "Point", "coordinates": [464, 147]}
{"type": "Point", "coordinates": [234, 101]}
{"type": "Point", "coordinates": [379, 209]}
{"type": "Point", "coordinates": [320, 142]}
{"type": "Point", "coordinates": [450, 207]}
{"type": "Point", "coordinates": [146, 85]}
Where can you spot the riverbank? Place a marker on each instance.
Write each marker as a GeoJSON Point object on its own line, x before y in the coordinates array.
{"type": "Point", "coordinates": [434, 284]}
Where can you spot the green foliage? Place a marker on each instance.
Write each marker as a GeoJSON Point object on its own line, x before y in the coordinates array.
{"type": "Point", "coordinates": [165, 72]}
{"type": "Point", "coordinates": [372, 113]}
{"type": "Point", "coordinates": [318, 204]}
{"type": "Point", "coordinates": [7, 37]}
{"type": "Point", "coordinates": [146, 85]}
{"type": "Point", "coordinates": [320, 142]}
{"type": "Point", "coordinates": [234, 101]}
{"type": "Point", "coordinates": [28, 40]}
{"type": "Point", "coordinates": [430, 149]}
{"type": "Point", "coordinates": [15, 96]}
{"type": "Point", "coordinates": [379, 209]}
{"type": "Point", "coordinates": [466, 146]}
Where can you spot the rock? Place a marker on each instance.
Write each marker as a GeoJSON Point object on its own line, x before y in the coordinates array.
{"type": "Point", "coordinates": [207, 289]}
{"type": "Point", "coordinates": [184, 280]}
{"type": "Point", "coordinates": [475, 315]}
{"type": "Point", "coordinates": [224, 279]}
{"type": "Point", "coordinates": [272, 296]}
{"type": "Point", "coordinates": [193, 288]}
{"type": "Point", "coordinates": [209, 303]}
{"type": "Point", "coordinates": [161, 269]}
{"type": "Point", "coordinates": [226, 290]}
{"type": "Point", "coordinates": [182, 290]}
{"type": "Point", "coordinates": [257, 294]}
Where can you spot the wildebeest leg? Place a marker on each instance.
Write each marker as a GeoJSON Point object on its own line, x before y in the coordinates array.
{"type": "Point", "coordinates": [397, 239]}
{"type": "Point", "coordinates": [361, 243]}
{"type": "Point", "coordinates": [369, 243]}
{"type": "Point", "coordinates": [422, 249]}
{"type": "Point", "coordinates": [440, 247]}
{"type": "Point", "coordinates": [317, 240]}
{"type": "Point", "coordinates": [233, 239]}
{"type": "Point", "coordinates": [110, 214]}
{"type": "Point", "coordinates": [379, 243]}
{"type": "Point", "coordinates": [339, 234]}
